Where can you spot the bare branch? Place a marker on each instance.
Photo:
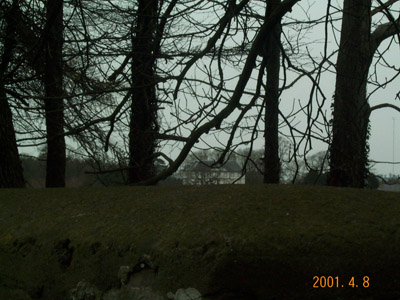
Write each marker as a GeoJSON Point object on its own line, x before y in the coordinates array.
{"type": "Point", "coordinates": [234, 102]}
{"type": "Point", "coordinates": [384, 105]}
{"type": "Point", "coordinates": [382, 7]}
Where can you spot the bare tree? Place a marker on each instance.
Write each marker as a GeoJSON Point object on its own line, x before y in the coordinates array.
{"type": "Point", "coordinates": [143, 120]}
{"type": "Point", "coordinates": [102, 103]}
{"type": "Point", "coordinates": [53, 102]}
{"type": "Point", "coordinates": [234, 101]}
{"type": "Point", "coordinates": [10, 164]}
{"type": "Point", "coordinates": [272, 57]}
{"type": "Point", "coordinates": [349, 151]}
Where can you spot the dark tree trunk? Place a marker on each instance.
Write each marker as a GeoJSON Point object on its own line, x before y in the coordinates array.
{"type": "Point", "coordinates": [143, 123]}
{"type": "Point", "coordinates": [11, 175]}
{"type": "Point", "coordinates": [272, 56]}
{"type": "Point", "coordinates": [348, 151]}
{"type": "Point", "coordinates": [54, 105]}
{"type": "Point", "coordinates": [10, 165]}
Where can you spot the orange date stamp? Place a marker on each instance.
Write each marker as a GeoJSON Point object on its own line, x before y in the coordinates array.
{"type": "Point", "coordinates": [336, 282]}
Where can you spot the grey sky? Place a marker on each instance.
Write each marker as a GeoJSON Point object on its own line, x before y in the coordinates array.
{"type": "Point", "coordinates": [383, 121]}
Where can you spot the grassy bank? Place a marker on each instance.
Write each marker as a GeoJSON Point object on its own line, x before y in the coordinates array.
{"type": "Point", "coordinates": [264, 240]}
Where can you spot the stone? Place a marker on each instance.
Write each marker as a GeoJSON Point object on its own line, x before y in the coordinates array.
{"type": "Point", "coordinates": [124, 273]}
{"type": "Point", "coordinates": [85, 291]}
{"type": "Point", "coordinates": [187, 294]}
{"type": "Point", "coordinates": [130, 293]}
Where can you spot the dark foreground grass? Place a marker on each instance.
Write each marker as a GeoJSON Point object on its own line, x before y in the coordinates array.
{"type": "Point", "coordinates": [262, 241]}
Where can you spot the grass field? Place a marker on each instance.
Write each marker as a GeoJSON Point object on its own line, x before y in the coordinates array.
{"type": "Point", "coordinates": [256, 241]}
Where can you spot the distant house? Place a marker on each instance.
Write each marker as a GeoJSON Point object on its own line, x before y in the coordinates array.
{"type": "Point", "coordinates": [203, 172]}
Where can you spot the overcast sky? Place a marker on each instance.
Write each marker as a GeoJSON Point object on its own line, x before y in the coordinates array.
{"type": "Point", "coordinates": [381, 140]}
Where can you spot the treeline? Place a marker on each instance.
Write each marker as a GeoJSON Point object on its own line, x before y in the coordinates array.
{"type": "Point", "coordinates": [82, 173]}
{"type": "Point", "coordinates": [34, 171]}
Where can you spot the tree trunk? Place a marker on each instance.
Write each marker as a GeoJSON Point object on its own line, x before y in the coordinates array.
{"type": "Point", "coordinates": [53, 103]}
{"type": "Point", "coordinates": [349, 151]}
{"type": "Point", "coordinates": [272, 56]}
{"type": "Point", "coordinates": [11, 175]}
{"type": "Point", "coordinates": [143, 123]}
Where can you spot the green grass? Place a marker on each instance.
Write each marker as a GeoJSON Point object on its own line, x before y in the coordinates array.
{"type": "Point", "coordinates": [270, 240]}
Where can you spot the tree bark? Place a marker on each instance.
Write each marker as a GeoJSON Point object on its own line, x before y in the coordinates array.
{"type": "Point", "coordinates": [11, 173]}
{"type": "Point", "coordinates": [349, 151]}
{"type": "Point", "coordinates": [143, 123]}
{"type": "Point", "coordinates": [272, 55]}
{"type": "Point", "coordinates": [53, 103]}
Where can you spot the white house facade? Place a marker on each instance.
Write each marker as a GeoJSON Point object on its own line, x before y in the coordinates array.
{"type": "Point", "coordinates": [203, 172]}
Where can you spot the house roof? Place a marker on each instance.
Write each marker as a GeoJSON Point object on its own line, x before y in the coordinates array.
{"type": "Point", "coordinates": [204, 166]}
